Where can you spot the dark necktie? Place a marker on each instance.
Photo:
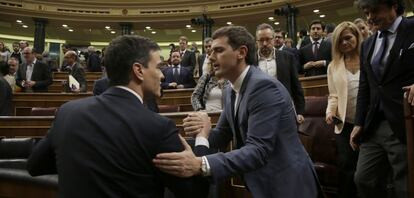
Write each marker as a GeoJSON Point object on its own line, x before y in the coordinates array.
{"type": "Point", "coordinates": [238, 139]}
{"type": "Point", "coordinates": [315, 49]}
{"type": "Point", "coordinates": [176, 74]}
{"type": "Point", "coordinates": [377, 63]}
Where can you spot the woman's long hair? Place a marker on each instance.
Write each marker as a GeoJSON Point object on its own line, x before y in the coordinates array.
{"type": "Point", "coordinates": [337, 55]}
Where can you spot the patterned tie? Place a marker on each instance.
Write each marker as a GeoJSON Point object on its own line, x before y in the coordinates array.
{"type": "Point", "coordinates": [377, 63]}
{"type": "Point", "coordinates": [315, 49]}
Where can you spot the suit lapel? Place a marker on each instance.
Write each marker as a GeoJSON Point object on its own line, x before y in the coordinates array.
{"type": "Point", "coordinates": [229, 112]}
{"type": "Point", "coordinates": [398, 43]}
{"type": "Point", "coordinates": [242, 90]}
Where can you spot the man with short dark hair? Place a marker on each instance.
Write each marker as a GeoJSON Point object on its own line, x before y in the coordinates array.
{"type": "Point", "coordinates": [76, 71]}
{"type": "Point", "coordinates": [34, 75]}
{"type": "Point", "coordinates": [203, 61]}
{"type": "Point", "coordinates": [188, 58]}
{"type": "Point", "coordinates": [16, 52]}
{"type": "Point", "coordinates": [176, 76]}
{"type": "Point", "coordinates": [103, 146]}
{"type": "Point", "coordinates": [329, 28]}
{"type": "Point", "coordinates": [387, 65]}
{"type": "Point", "coordinates": [258, 117]}
{"type": "Point", "coordinates": [315, 57]}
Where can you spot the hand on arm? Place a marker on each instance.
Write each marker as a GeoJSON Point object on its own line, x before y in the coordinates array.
{"type": "Point", "coordinates": [355, 137]}
{"type": "Point", "coordinates": [309, 65]}
{"type": "Point", "coordinates": [409, 94]}
{"type": "Point", "coordinates": [180, 164]}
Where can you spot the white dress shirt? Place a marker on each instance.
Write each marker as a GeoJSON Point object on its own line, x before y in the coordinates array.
{"type": "Point", "coordinates": [268, 65]}
{"type": "Point", "coordinates": [29, 70]}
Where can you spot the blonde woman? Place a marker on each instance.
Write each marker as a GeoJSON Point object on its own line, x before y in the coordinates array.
{"type": "Point", "coordinates": [208, 94]}
{"type": "Point", "coordinates": [343, 82]}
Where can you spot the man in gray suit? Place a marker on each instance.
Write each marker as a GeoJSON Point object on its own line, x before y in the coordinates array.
{"type": "Point", "coordinates": [258, 117]}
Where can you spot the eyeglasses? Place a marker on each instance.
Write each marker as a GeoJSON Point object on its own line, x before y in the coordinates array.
{"type": "Point", "coordinates": [265, 40]}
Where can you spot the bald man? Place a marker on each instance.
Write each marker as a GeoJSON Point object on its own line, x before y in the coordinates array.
{"type": "Point", "coordinates": [33, 75]}
{"type": "Point", "coordinates": [76, 71]}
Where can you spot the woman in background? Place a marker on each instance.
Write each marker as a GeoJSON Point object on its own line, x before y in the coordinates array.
{"type": "Point", "coordinates": [208, 94]}
{"type": "Point", "coordinates": [343, 82]}
{"type": "Point", "coordinates": [363, 27]}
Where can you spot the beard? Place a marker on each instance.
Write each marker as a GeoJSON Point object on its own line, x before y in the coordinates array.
{"type": "Point", "coordinates": [266, 51]}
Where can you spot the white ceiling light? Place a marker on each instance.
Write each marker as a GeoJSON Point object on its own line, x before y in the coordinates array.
{"type": "Point", "coordinates": [113, 32]}
{"type": "Point", "coordinates": [19, 21]}
{"type": "Point", "coordinates": [148, 27]}
{"type": "Point", "coordinates": [64, 25]}
{"type": "Point", "coordinates": [193, 30]}
{"type": "Point", "coordinates": [107, 27]}
{"type": "Point", "coordinates": [315, 11]}
{"type": "Point", "coordinates": [188, 26]}
{"type": "Point", "coordinates": [277, 23]}
{"type": "Point", "coordinates": [25, 26]}
{"type": "Point", "coordinates": [322, 15]}
{"type": "Point", "coordinates": [70, 30]}
{"type": "Point", "coordinates": [132, 32]}
{"type": "Point", "coordinates": [153, 32]}
{"type": "Point", "coordinates": [271, 18]}
{"type": "Point", "coordinates": [229, 23]}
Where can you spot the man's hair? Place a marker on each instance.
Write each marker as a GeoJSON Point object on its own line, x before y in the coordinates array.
{"type": "Point", "coordinates": [330, 27]}
{"type": "Point", "coordinates": [317, 21]}
{"type": "Point", "coordinates": [16, 43]}
{"type": "Point", "coordinates": [13, 59]}
{"type": "Point", "coordinates": [208, 39]}
{"type": "Point", "coordinates": [238, 36]}
{"type": "Point", "coordinates": [4, 68]}
{"type": "Point", "coordinates": [72, 53]}
{"type": "Point", "coordinates": [370, 4]}
{"type": "Point", "coordinates": [123, 52]}
{"type": "Point", "coordinates": [184, 38]}
{"type": "Point", "coordinates": [264, 26]}
{"type": "Point", "coordinates": [281, 31]}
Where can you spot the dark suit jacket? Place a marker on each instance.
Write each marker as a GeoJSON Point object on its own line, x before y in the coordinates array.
{"type": "Point", "coordinates": [295, 52]}
{"type": "Point", "coordinates": [186, 77]}
{"type": "Point", "coordinates": [188, 60]}
{"type": "Point", "coordinates": [201, 59]}
{"type": "Point", "coordinates": [100, 86]}
{"type": "Point", "coordinates": [94, 63]}
{"type": "Point", "coordinates": [106, 149]}
{"type": "Point", "coordinates": [306, 55]}
{"type": "Point", "coordinates": [399, 72]}
{"type": "Point", "coordinates": [272, 159]}
{"type": "Point", "coordinates": [41, 74]}
{"type": "Point", "coordinates": [79, 74]}
{"type": "Point", "coordinates": [5, 98]}
{"type": "Point", "coordinates": [286, 64]}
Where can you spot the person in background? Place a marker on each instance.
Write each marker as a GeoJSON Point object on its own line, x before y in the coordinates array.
{"type": "Point", "coordinates": [289, 42]}
{"type": "Point", "coordinates": [93, 63]}
{"type": "Point", "coordinates": [343, 81]}
{"type": "Point", "coordinates": [363, 27]}
{"type": "Point", "coordinates": [6, 93]}
{"type": "Point", "coordinates": [208, 93]}
{"type": "Point", "coordinates": [203, 62]}
{"type": "Point", "coordinates": [176, 76]}
{"type": "Point", "coordinates": [76, 71]}
{"type": "Point", "coordinates": [329, 28]}
{"type": "Point", "coordinates": [10, 77]}
{"type": "Point", "coordinates": [16, 53]}
{"type": "Point", "coordinates": [4, 52]}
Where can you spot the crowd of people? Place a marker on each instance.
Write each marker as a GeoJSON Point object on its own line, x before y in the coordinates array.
{"type": "Point", "coordinates": [254, 80]}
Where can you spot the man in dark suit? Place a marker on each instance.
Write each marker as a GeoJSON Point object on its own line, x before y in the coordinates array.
{"type": "Point", "coordinates": [106, 149]}
{"type": "Point", "coordinates": [177, 76]}
{"type": "Point", "coordinates": [76, 71]}
{"type": "Point", "coordinates": [258, 117]}
{"type": "Point", "coordinates": [316, 56]}
{"type": "Point", "coordinates": [203, 62]}
{"type": "Point", "coordinates": [100, 86]}
{"type": "Point", "coordinates": [279, 44]}
{"type": "Point", "coordinates": [33, 76]}
{"type": "Point", "coordinates": [5, 94]}
{"type": "Point", "coordinates": [387, 65]}
{"type": "Point", "coordinates": [93, 64]}
{"type": "Point", "coordinates": [188, 58]}
{"type": "Point", "coordinates": [281, 65]}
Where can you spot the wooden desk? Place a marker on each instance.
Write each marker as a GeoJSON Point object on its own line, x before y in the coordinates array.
{"type": "Point", "coordinates": [177, 92]}
{"type": "Point", "coordinates": [315, 85]}
{"type": "Point", "coordinates": [88, 75]}
{"type": "Point", "coordinates": [409, 125]}
{"type": "Point", "coordinates": [56, 86]}
{"type": "Point", "coordinates": [37, 126]}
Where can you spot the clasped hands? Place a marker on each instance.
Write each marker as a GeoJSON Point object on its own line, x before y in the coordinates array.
{"type": "Point", "coordinates": [185, 163]}
{"type": "Point", "coordinates": [311, 64]}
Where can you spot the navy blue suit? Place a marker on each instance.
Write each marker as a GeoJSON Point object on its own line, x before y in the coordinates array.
{"type": "Point", "coordinates": [106, 149]}
{"type": "Point", "coordinates": [185, 78]}
{"type": "Point", "coordinates": [271, 159]}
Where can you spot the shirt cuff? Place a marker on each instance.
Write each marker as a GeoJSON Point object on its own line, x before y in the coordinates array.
{"type": "Point", "coordinates": [324, 63]}
{"type": "Point", "coordinates": [202, 141]}
{"type": "Point", "coordinates": [207, 166]}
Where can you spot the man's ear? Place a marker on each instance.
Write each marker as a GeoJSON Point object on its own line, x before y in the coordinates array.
{"type": "Point", "coordinates": [242, 52]}
{"type": "Point", "coordinates": [137, 69]}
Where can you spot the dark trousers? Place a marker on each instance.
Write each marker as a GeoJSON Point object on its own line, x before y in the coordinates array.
{"type": "Point", "coordinates": [347, 161]}
{"type": "Point", "coordinates": [380, 156]}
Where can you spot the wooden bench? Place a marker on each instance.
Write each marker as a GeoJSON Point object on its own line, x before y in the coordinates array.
{"type": "Point", "coordinates": [56, 86]}
{"type": "Point", "coordinates": [37, 126]}
{"type": "Point", "coordinates": [315, 85]}
{"type": "Point", "coordinates": [88, 75]}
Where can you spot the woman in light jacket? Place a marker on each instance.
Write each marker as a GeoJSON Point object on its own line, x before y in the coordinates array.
{"type": "Point", "coordinates": [208, 94]}
{"type": "Point", "coordinates": [343, 82]}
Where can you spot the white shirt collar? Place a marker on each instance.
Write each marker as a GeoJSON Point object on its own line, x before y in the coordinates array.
{"type": "Point", "coordinates": [33, 63]}
{"type": "Point", "coordinates": [131, 91]}
{"type": "Point", "coordinates": [237, 85]}
{"type": "Point", "coordinates": [179, 66]}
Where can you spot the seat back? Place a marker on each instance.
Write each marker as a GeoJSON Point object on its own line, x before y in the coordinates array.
{"type": "Point", "coordinates": [43, 111]}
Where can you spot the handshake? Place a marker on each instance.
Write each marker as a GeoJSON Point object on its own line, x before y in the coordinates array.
{"type": "Point", "coordinates": [197, 124]}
